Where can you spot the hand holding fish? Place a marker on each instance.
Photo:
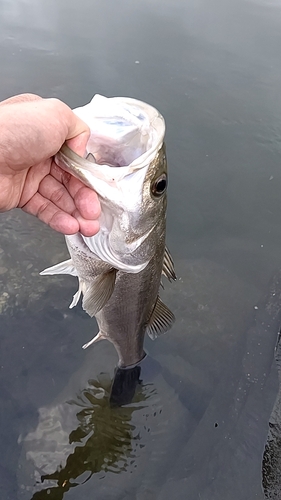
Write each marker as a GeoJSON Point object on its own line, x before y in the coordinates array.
{"type": "Point", "coordinates": [32, 132]}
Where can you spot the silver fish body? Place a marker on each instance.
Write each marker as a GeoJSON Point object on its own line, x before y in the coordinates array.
{"type": "Point", "coordinates": [119, 269]}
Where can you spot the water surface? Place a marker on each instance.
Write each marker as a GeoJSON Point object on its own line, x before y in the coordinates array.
{"type": "Point", "coordinates": [199, 423]}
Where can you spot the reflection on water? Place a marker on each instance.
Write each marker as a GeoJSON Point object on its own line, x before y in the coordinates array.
{"type": "Point", "coordinates": [104, 440]}
{"type": "Point", "coordinates": [69, 446]}
{"type": "Point", "coordinates": [83, 444]}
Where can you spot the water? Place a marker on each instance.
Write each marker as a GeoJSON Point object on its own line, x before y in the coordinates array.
{"type": "Point", "coordinates": [199, 423]}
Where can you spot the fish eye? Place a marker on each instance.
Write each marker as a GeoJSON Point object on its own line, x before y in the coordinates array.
{"type": "Point", "coordinates": [159, 186]}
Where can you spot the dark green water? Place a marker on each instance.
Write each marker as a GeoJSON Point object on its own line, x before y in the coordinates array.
{"type": "Point", "coordinates": [199, 422]}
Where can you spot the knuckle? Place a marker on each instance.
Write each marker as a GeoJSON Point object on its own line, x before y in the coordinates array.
{"type": "Point", "coordinates": [66, 178]}
{"type": "Point", "coordinates": [57, 195]}
{"type": "Point", "coordinates": [43, 210]}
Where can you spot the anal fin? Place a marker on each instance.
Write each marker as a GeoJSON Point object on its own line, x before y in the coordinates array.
{"type": "Point", "coordinates": [96, 338]}
{"type": "Point", "coordinates": [161, 320]}
{"type": "Point", "coordinates": [97, 293]}
{"type": "Point", "coordinates": [168, 266]}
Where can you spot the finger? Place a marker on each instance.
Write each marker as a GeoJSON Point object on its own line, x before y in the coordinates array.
{"type": "Point", "coordinates": [87, 227]}
{"type": "Point", "coordinates": [78, 144]}
{"type": "Point", "coordinates": [42, 126]}
{"type": "Point", "coordinates": [48, 213]}
{"type": "Point", "coordinates": [85, 199]}
{"type": "Point", "coordinates": [53, 190]}
{"type": "Point", "coordinates": [32, 181]}
{"type": "Point", "coordinates": [20, 98]}
{"type": "Point", "coordinates": [76, 131]}
{"type": "Point", "coordinates": [59, 220]}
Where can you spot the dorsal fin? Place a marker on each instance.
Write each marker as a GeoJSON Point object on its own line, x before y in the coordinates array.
{"type": "Point", "coordinates": [168, 266]}
{"type": "Point", "coordinates": [160, 320]}
{"type": "Point", "coordinates": [97, 293]}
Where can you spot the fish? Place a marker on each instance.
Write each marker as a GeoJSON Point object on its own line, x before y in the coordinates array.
{"type": "Point", "coordinates": [120, 269]}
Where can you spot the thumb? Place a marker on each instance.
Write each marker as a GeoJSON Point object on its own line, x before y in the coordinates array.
{"type": "Point", "coordinates": [78, 131]}
{"type": "Point", "coordinates": [79, 142]}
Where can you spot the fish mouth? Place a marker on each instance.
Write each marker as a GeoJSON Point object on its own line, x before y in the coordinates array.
{"type": "Point", "coordinates": [124, 131]}
{"type": "Point", "coordinates": [125, 136]}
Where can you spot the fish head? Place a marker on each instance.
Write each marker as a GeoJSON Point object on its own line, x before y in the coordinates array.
{"type": "Point", "coordinates": [128, 170]}
{"type": "Point", "coordinates": [138, 211]}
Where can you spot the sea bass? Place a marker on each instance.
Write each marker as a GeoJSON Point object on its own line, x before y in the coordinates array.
{"type": "Point", "coordinates": [119, 269]}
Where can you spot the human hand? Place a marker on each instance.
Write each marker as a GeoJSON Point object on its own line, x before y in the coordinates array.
{"type": "Point", "coordinates": [32, 130]}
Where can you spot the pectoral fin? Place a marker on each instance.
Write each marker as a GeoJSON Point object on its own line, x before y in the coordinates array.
{"type": "Point", "coordinates": [97, 293]}
{"type": "Point", "coordinates": [160, 321]}
{"type": "Point", "coordinates": [168, 266]}
{"type": "Point", "coordinates": [65, 267]}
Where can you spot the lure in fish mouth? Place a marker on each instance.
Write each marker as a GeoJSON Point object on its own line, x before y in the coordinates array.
{"type": "Point", "coordinates": [119, 269]}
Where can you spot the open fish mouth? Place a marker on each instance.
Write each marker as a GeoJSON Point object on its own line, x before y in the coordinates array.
{"type": "Point", "coordinates": [124, 131]}
{"type": "Point", "coordinates": [119, 145]}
